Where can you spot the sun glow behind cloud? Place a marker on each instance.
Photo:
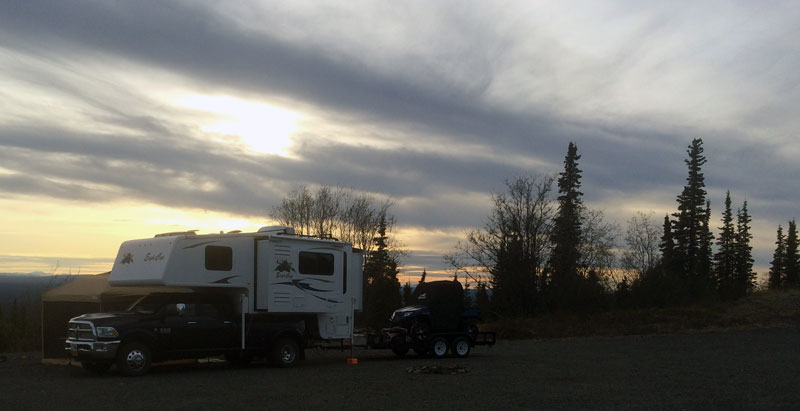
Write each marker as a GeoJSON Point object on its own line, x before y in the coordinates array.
{"type": "Point", "coordinates": [262, 128]}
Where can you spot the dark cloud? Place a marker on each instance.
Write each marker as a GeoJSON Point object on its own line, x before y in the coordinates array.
{"type": "Point", "coordinates": [447, 100]}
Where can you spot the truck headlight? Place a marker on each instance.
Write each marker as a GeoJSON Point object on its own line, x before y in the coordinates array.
{"type": "Point", "coordinates": [107, 332]}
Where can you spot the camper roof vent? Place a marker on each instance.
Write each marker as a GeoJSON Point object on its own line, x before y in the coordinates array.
{"type": "Point", "coordinates": [173, 234]}
{"type": "Point", "coordinates": [277, 229]}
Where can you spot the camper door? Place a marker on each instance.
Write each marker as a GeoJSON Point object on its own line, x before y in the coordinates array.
{"type": "Point", "coordinates": [299, 276]}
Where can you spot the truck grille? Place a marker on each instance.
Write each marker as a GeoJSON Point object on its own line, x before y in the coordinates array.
{"type": "Point", "coordinates": [80, 331]}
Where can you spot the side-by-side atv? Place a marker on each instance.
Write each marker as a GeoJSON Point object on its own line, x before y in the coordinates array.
{"type": "Point", "coordinates": [436, 322]}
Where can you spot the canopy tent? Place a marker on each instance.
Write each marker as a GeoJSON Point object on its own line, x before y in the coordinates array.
{"type": "Point", "coordinates": [85, 294]}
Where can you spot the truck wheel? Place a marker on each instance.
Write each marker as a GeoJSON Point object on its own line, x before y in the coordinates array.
{"type": "Point", "coordinates": [399, 346]}
{"type": "Point", "coordinates": [439, 347]}
{"type": "Point", "coordinates": [285, 352]}
{"type": "Point", "coordinates": [134, 358]}
{"type": "Point", "coordinates": [460, 347]}
{"type": "Point", "coordinates": [96, 367]}
{"type": "Point", "coordinates": [472, 332]}
{"type": "Point", "coordinates": [420, 330]}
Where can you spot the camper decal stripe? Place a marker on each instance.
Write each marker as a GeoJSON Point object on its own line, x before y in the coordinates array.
{"type": "Point", "coordinates": [308, 289]}
{"type": "Point", "coordinates": [225, 280]}
{"type": "Point", "coordinates": [199, 244]}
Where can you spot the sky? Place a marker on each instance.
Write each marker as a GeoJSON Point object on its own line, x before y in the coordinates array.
{"type": "Point", "coordinates": [120, 120]}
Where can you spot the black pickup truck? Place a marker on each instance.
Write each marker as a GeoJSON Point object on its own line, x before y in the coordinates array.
{"type": "Point", "coordinates": [163, 327]}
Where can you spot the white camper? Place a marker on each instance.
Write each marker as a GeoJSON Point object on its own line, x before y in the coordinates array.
{"type": "Point", "coordinates": [276, 272]}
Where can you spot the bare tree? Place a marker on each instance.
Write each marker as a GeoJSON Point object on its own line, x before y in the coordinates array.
{"type": "Point", "coordinates": [511, 249]}
{"type": "Point", "coordinates": [598, 242]}
{"type": "Point", "coordinates": [642, 239]}
{"type": "Point", "coordinates": [341, 213]}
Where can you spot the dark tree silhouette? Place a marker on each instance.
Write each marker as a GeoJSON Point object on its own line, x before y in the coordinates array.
{"type": "Point", "coordinates": [777, 267]}
{"type": "Point", "coordinates": [482, 301]}
{"type": "Point", "coordinates": [566, 237]}
{"type": "Point", "coordinates": [725, 260]}
{"type": "Point", "coordinates": [407, 293]}
{"type": "Point", "coordinates": [667, 244]}
{"type": "Point", "coordinates": [691, 231]}
{"type": "Point", "coordinates": [744, 276]}
{"type": "Point", "coordinates": [382, 289]}
{"type": "Point", "coordinates": [791, 263]}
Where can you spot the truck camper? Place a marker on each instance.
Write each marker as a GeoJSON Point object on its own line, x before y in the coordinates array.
{"type": "Point", "coordinates": [262, 294]}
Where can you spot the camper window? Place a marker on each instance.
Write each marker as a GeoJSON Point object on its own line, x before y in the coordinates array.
{"type": "Point", "coordinates": [219, 258]}
{"type": "Point", "coordinates": [316, 263]}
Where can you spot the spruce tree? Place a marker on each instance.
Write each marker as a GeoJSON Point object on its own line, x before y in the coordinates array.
{"type": "Point", "coordinates": [566, 237]}
{"type": "Point", "coordinates": [667, 245]}
{"type": "Point", "coordinates": [691, 231]}
{"type": "Point", "coordinates": [407, 293]}
{"type": "Point", "coordinates": [744, 276]}
{"type": "Point", "coordinates": [482, 301]}
{"type": "Point", "coordinates": [705, 258]}
{"type": "Point", "coordinates": [778, 265]}
{"type": "Point", "coordinates": [791, 263]}
{"type": "Point", "coordinates": [725, 260]}
{"type": "Point", "coordinates": [382, 293]}
{"type": "Point", "coordinates": [467, 295]}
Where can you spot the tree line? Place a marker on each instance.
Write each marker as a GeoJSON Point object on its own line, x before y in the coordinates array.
{"type": "Point", "coordinates": [541, 249]}
{"type": "Point", "coordinates": [784, 270]}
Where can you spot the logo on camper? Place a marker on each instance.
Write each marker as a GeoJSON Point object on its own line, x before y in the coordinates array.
{"type": "Point", "coordinates": [153, 257]}
{"type": "Point", "coordinates": [284, 269]}
{"type": "Point", "coordinates": [127, 259]}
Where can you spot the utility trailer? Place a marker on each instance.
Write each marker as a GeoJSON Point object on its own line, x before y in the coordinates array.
{"type": "Point", "coordinates": [269, 294]}
{"type": "Point", "coordinates": [435, 322]}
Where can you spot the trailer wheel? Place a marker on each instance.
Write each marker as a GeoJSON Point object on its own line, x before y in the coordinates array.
{"type": "Point", "coordinates": [399, 346]}
{"type": "Point", "coordinates": [134, 358]}
{"type": "Point", "coordinates": [285, 352]}
{"type": "Point", "coordinates": [460, 347]}
{"type": "Point", "coordinates": [439, 347]}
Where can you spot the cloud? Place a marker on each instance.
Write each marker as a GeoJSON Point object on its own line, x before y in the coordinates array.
{"type": "Point", "coordinates": [433, 105]}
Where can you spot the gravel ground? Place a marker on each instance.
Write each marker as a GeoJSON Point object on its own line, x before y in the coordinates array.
{"type": "Point", "coordinates": [753, 369]}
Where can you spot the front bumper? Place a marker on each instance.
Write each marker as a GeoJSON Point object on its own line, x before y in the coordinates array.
{"type": "Point", "coordinates": [92, 350]}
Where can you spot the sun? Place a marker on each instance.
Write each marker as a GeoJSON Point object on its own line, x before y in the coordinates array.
{"type": "Point", "coordinates": [263, 128]}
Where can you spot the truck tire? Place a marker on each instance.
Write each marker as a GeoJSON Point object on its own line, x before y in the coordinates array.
{"type": "Point", "coordinates": [460, 347]}
{"type": "Point", "coordinates": [439, 347]}
{"type": "Point", "coordinates": [472, 332]}
{"type": "Point", "coordinates": [96, 367]}
{"type": "Point", "coordinates": [285, 352]}
{"type": "Point", "coordinates": [134, 359]}
{"type": "Point", "coordinates": [420, 330]}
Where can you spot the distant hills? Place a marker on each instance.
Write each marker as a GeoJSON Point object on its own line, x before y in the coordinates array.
{"type": "Point", "coordinates": [28, 287]}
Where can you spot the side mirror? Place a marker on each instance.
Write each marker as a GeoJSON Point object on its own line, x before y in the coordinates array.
{"type": "Point", "coordinates": [180, 308]}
